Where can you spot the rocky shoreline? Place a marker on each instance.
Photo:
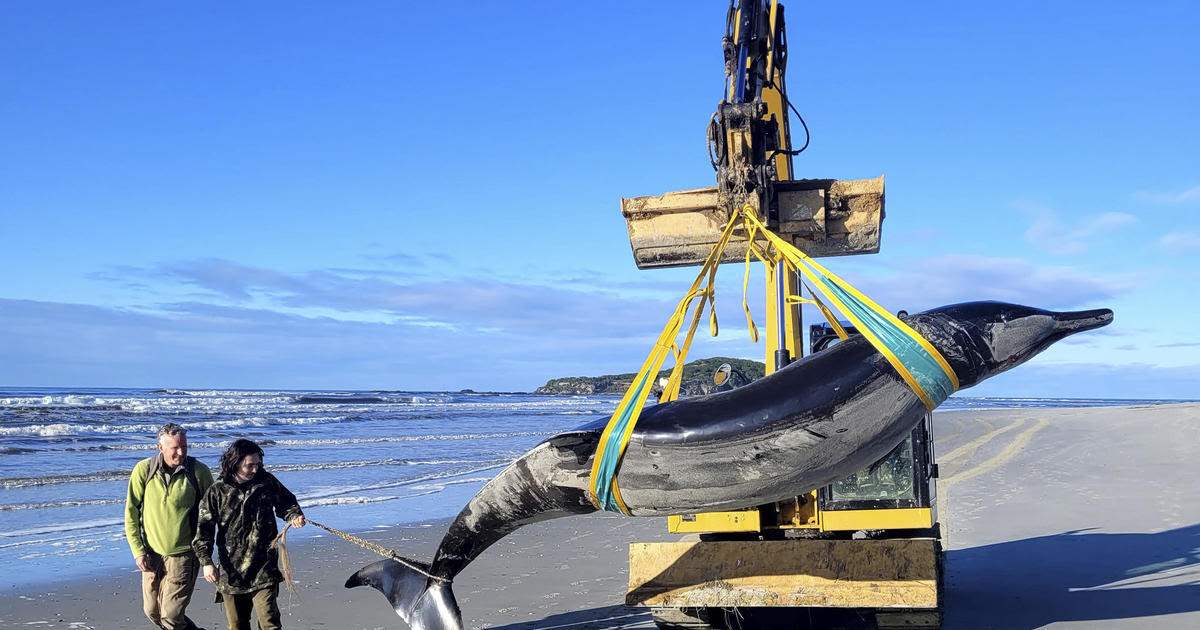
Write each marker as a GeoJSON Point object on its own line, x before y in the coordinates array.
{"type": "Point", "coordinates": [697, 379]}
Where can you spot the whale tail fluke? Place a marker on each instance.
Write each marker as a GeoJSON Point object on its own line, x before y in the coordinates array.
{"type": "Point", "coordinates": [423, 603]}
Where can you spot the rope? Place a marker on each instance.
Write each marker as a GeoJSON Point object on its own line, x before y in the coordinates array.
{"type": "Point", "coordinates": [281, 542]}
{"type": "Point", "coordinates": [365, 544]}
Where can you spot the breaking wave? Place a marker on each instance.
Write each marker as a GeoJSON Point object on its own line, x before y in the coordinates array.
{"type": "Point", "coordinates": [64, 429]}
{"type": "Point", "coordinates": [57, 504]}
{"type": "Point", "coordinates": [338, 400]}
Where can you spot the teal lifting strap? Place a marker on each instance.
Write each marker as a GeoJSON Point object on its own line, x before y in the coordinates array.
{"type": "Point", "coordinates": [920, 363]}
{"type": "Point", "coordinates": [610, 455]}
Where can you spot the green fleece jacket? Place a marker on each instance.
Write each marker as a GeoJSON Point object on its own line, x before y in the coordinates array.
{"type": "Point", "coordinates": [156, 510]}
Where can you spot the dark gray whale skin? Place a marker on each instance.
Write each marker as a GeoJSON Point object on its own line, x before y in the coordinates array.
{"type": "Point", "coordinates": [817, 420]}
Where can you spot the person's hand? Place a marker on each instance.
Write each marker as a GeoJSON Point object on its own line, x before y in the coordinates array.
{"type": "Point", "coordinates": [143, 563]}
{"type": "Point", "coordinates": [298, 521]}
{"type": "Point", "coordinates": [210, 573]}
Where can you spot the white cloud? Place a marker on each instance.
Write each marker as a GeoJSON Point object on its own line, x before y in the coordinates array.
{"type": "Point", "coordinates": [203, 345]}
{"type": "Point", "coordinates": [1102, 223]}
{"type": "Point", "coordinates": [219, 322]}
{"type": "Point", "coordinates": [924, 283]}
{"type": "Point", "coordinates": [1191, 195]}
{"type": "Point", "coordinates": [1179, 242]}
{"type": "Point", "coordinates": [1052, 235]}
{"type": "Point", "coordinates": [261, 327]}
{"type": "Point", "coordinates": [518, 307]}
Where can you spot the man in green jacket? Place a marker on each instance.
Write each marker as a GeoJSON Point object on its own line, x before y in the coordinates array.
{"type": "Point", "coordinates": [161, 510]}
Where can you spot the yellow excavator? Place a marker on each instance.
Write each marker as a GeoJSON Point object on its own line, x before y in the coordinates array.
{"type": "Point", "coordinates": [864, 551]}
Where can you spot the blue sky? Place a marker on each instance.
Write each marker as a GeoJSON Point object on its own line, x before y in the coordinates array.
{"type": "Point", "coordinates": [382, 195]}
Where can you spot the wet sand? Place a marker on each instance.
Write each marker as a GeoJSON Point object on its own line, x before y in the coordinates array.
{"type": "Point", "coordinates": [1063, 518]}
{"type": "Point", "coordinates": [567, 571]}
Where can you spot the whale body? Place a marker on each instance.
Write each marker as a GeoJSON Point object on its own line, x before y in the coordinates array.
{"type": "Point", "coordinates": [817, 420]}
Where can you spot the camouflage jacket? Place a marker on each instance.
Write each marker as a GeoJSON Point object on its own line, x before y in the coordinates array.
{"type": "Point", "coordinates": [241, 518]}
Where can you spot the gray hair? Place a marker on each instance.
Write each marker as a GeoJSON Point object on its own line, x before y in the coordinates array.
{"type": "Point", "coordinates": [171, 429]}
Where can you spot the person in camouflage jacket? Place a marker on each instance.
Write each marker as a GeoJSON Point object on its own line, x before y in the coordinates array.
{"type": "Point", "coordinates": [238, 512]}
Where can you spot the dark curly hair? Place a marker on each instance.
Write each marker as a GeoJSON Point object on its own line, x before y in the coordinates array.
{"type": "Point", "coordinates": [233, 456]}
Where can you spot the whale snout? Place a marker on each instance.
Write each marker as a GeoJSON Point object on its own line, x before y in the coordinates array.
{"type": "Point", "coordinates": [998, 336]}
{"type": "Point", "coordinates": [1078, 321]}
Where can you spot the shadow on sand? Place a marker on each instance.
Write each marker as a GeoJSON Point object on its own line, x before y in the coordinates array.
{"type": "Point", "coordinates": [627, 618]}
{"type": "Point", "coordinates": [1074, 576]}
{"type": "Point", "coordinates": [1023, 584]}
{"type": "Point", "coordinates": [604, 618]}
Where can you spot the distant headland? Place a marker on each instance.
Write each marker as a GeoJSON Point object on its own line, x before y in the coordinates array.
{"type": "Point", "coordinates": [697, 379]}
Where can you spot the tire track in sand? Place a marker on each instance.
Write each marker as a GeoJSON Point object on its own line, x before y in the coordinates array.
{"type": "Point", "coordinates": [968, 449]}
{"type": "Point", "coordinates": [958, 428]}
{"type": "Point", "coordinates": [1016, 446]}
{"type": "Point", "coordinates": [964, 452]}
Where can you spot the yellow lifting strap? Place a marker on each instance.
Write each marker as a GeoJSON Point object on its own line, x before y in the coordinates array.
{"type": "Point", "coordinates": [603, 489]}
{"type": "Point", "coordinates": [914, 358]}
{"type": "Point", "coordinates": [917, 362]}
{"type": "Point", "coordinates": [828, 314]}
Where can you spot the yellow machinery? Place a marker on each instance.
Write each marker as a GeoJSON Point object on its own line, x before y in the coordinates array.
{"type": "Point", "coordinates": [867, 545]}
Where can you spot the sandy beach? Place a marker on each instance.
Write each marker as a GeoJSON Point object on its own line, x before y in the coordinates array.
{"type": "Point", "coordinates": [567, 571]}
{"type": "Point", "coordinates": [1064, 518]}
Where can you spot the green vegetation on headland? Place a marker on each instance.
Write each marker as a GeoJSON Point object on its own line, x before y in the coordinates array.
{"type": "Point", "coordinates": [697, 379]}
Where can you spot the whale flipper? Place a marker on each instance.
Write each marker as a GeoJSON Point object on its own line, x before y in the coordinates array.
{"type": "Point", "coordinates": [422, 602]}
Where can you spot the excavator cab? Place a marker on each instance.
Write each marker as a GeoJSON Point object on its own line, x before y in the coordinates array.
{"type": "Point", "coordinates": [903, 481]}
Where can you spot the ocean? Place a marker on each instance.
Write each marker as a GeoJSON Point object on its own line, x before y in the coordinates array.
{"type": "Point", "coordinates": [356, 460]}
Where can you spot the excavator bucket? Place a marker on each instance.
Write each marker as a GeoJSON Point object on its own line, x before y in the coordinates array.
{"type": "Point", "coordinates": [821, 217]}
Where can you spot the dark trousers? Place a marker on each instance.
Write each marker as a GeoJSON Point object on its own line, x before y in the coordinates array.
{"type": "Point", "coordinates": [264, 603]}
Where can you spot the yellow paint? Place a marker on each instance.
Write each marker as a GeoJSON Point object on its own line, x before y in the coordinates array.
{"type": "Point", "coordinates": [799, 513]}
{"type": "Point", "coordinates": [854, 520]}
{"type": "Point", "coordinates": [738, 521]}
{"type": "Point", "coordinates": [776, 107]}
{"type": "Point", "coordinates": [791, 319]}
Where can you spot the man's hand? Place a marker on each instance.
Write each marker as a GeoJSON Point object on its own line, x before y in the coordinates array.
{"type": "Point", "coordinates": [298, 521]}
{"type": "Point", "coordinates": [210, 573]}
{"type": "Point", "coordinates": [143, 563]}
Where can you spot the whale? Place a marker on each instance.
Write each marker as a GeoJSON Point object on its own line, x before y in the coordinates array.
{"type": "Point", "coordinates": [809, 424]}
